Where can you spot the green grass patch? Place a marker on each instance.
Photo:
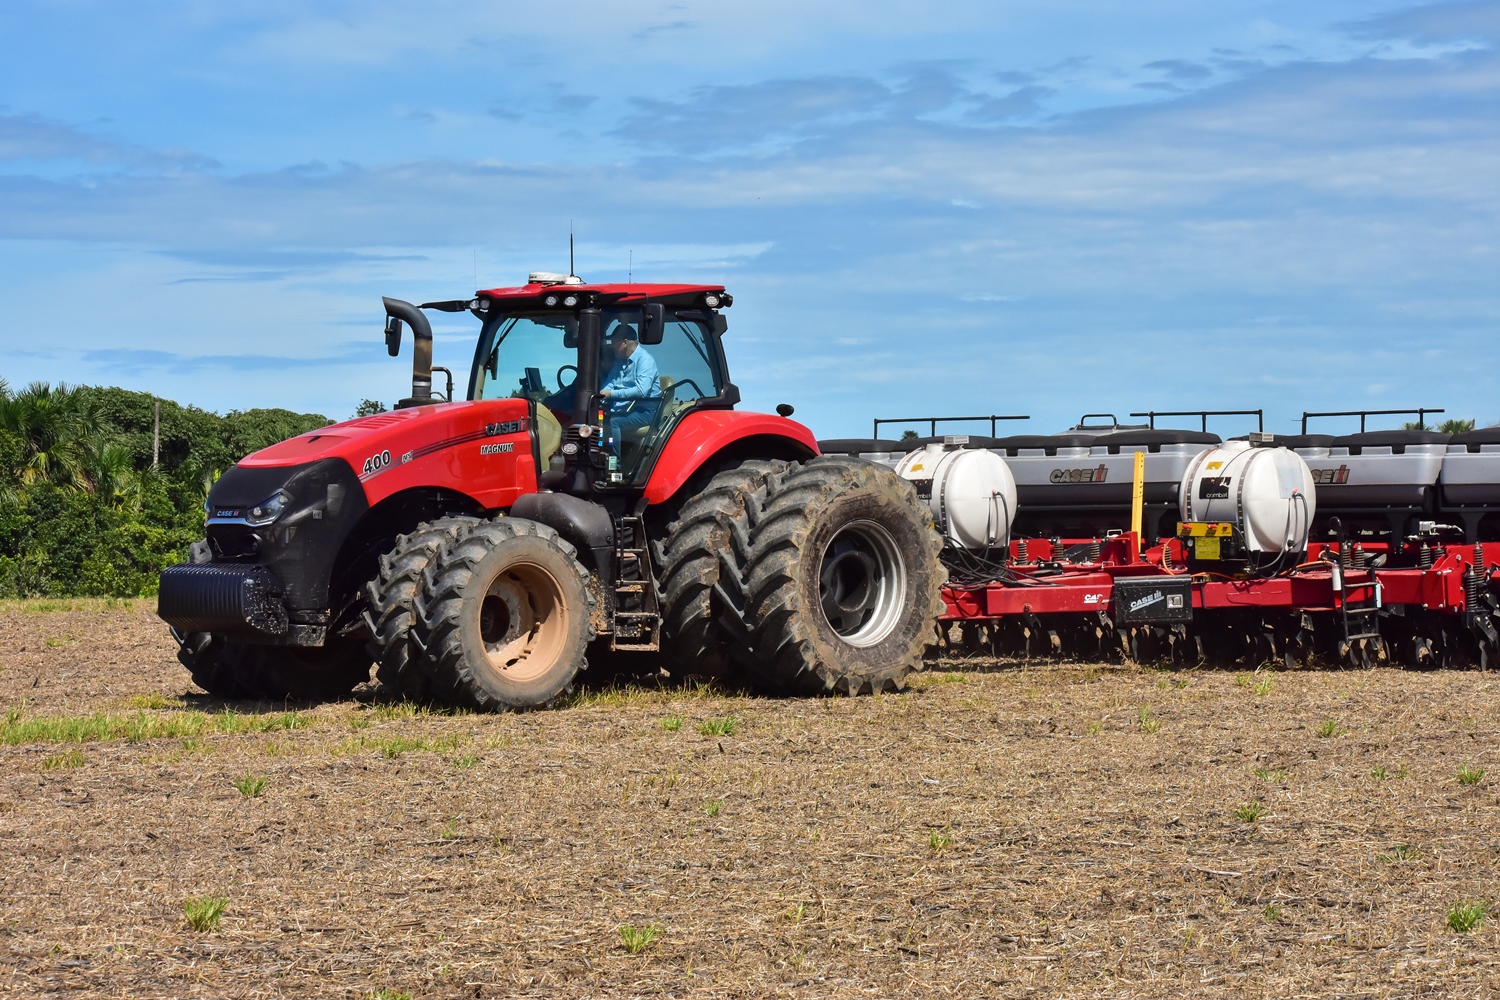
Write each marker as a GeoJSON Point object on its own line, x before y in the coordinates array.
{"type": "Point", "coordinates": [153, 700]}
{"type": "Point", "coordinates": [638, 939]}
{"type": "Point", "coordinates": [939, 840]}
{"type": "Point", "coordinates": [1249, 812]}
{"type": "Point", "coordinates": [1271, 914]}
{"type": "Point", "coordinates": [1263, 686]}
{"type": "Point", "coordinates": [1328, 728]}
{"type": "Point", "coordinates": [1466, 917]}
{"type": "Point", "coordinates": [1399, 854]}
{"type": "Point", "coordinates": [251, 786]}
{"type": "Point", "coordinates": [1148, 723]}
{"type": "Point", "coordinates": [395, 746]}
{"type": "Point", "coordinates": [139, 726]}
{"type": "Point", "coordinates": [1275, 775]}
{"type": "Point", "coordinates": [719, 727]}
{"type": "Point", "coordinates": [671, 723]}
{"type": "Point", "coordinates": [387, 993]}
{"type": "Point", "coordinates": [67, 761]}
{"type": "Point", "coordinates": [203, 913]}
{"type": "Point", "coordinates": [51, 605]}
{"type": "Point", "coordinates": [713, 807]}
{"type": "Point", "coordinates": [1470, 776]}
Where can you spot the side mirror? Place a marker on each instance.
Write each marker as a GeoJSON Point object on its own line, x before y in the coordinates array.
{"type": "Point", "coordinates": [785, 409]}
{"type": "Point", "coordinates": [392, 336]}
{"type": "Point", "coordinates": [653, 322]}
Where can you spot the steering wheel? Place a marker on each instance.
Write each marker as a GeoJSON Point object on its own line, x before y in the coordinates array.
{"type": "Point", "coordinates": [560, 386]}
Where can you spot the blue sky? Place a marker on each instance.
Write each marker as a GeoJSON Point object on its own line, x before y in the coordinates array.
{"type": "Point", "coordinates": [968, 207]}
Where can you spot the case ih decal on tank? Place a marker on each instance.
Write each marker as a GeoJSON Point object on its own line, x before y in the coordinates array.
{"type": "Point", "coordinates": [596, 484]}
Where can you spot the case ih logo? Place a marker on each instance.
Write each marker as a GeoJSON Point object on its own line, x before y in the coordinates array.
{"type": "Point", "coordinates": [505, 427]}
{"type": "Point", "coordinates": [1331, 477]}
{"type": "Point", "coordinates": [1147, 601]}
{"type": "Point", "coordinates": [1078, 475]}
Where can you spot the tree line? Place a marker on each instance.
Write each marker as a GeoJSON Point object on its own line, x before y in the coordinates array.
{"type": "Point", "coordinates": [92, 503]}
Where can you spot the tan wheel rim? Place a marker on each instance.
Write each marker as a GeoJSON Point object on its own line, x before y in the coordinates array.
{"type": "Point", "coordinates": [523, 622]}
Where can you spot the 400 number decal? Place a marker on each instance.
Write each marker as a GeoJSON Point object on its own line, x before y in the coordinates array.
{"type": "Point", "coordinates": [377, 463]}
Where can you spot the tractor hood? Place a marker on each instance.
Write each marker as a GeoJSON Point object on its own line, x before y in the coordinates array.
{"type": "Point", "coordinates": [481, 448]}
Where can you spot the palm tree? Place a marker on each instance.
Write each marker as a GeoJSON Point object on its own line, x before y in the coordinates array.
{"type": "Point", "coordinates": [53, 428]}
{"type": "Point", "coordinates": [1455, 426]}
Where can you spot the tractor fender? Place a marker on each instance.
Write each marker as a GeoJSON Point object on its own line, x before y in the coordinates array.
{"type": "Point", "coordinates": [703, 435]}
{"type": "Point", "coordinates": [588, 526]}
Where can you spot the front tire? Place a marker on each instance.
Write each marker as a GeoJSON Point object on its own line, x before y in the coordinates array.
{"type": "Point", "coordinates": [504, 616]}
{"type": "Point", "coordinates": [229, 669]}
{"type": "Point", "coordinates": [391, 597]}
{"type": "Point", "coordinates": [844, 581]}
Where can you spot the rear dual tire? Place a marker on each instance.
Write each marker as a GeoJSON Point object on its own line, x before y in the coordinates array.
{"type": "Point", "coordinates": [808, 579]}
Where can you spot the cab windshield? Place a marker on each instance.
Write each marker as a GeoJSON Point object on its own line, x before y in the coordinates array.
{"type": "Point", "coordinates": [535, 356]}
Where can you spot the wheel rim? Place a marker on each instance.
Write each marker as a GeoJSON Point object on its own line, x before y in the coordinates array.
{"type": "Point", "coordinates": [862, 583]}
{"type": "Point", "coordinates": [523, 622]}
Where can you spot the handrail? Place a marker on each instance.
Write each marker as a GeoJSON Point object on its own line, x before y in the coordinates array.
{"type": "Point", "coordinates": [1420, 411]}
{"type": "Point", "coordinates": [1259, 415]}
{"type": "Point", "coordinates": [932, 422]}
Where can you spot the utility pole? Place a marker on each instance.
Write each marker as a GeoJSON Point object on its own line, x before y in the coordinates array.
{"type": "Point", "coordinates": [156, 436]}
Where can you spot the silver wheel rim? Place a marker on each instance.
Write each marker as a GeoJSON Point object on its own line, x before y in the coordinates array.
{"type": "Point", "coordinates": [862, 583]}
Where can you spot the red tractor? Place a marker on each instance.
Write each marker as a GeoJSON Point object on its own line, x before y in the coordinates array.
{"type": "Point", "coordinates": [596, 486]}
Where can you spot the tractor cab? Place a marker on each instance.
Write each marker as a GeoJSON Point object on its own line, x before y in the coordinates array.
{"type": "Point", "coordinates": [609, 370]}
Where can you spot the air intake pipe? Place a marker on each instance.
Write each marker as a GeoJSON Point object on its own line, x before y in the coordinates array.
{"type": "Point", "coordinates": [397, 312]}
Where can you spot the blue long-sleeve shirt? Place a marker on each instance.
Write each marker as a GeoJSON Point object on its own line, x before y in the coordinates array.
{"type": "Point", "coordinates": [635, 377]}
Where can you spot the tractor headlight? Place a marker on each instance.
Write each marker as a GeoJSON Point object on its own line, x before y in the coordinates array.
{"type": "Point", "coordinates": [711, 300]}
{"type": "Point", "coordinates": [268, 510]}
{"type": "Point", "coordinates": [550, 301]}
{"type": "Point", "coordinates": [570, 301]}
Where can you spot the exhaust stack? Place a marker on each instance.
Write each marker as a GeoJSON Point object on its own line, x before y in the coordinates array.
{"type": "Point", "coordinates": [397, 312]}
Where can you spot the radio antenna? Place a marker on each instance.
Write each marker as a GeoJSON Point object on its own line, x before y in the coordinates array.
{"type": "Point", "coordinates": [630, 269]}
{"type": "Point", "coordinates": [571, 272]}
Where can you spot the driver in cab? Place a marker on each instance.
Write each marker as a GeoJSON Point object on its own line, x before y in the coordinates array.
{"type": "Point", "coordinates": [632, 389]}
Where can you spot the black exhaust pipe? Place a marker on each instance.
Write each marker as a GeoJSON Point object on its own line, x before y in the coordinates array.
{"type": "Point", "coordinates": [397, 312]}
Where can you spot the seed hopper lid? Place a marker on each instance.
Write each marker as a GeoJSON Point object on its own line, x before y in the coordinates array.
{"type": "Point", "coordinates": [1048, 442]}
{"type": "Point", "coordinates": [1153, 439]}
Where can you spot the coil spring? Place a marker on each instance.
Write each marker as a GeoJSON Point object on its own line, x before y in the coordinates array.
{"type": "Point", "coordinates": [1021, 552]}
{"type": "Point", "coordinates": [1474, 578]}
{"type": "Point", "coordinates": [1424, 556]}
{"type": "Point", "coordinates": [1166, 555]}
{"type": "Point", "coordinates": [1358, 557]}
{"type": "Point", "coordinates": [1057, 549]}
{"type": "Point", "coordinates": [1094, 549]}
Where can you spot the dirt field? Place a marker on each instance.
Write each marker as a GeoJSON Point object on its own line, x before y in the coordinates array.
{"type": "Point", "coordinates": [998, 830]}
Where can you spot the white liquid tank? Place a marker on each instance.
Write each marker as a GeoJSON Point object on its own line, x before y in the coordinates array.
{"type": "Point", "coordinates": [1267, 493]}
{"type": "Point", "coordinates": [971, 493]}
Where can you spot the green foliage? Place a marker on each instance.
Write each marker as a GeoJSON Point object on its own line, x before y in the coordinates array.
{"type": "Point", "coordinates": [1249, 812]}
{"type": "Point", "coordinates": [251, 785]}
{"type": "Point", "coordinates": [369, 407]}
{"type": "Point", "coordinates": [1468, 775]}
{"type": "Point", "coordinates": [718, 727]}
{"type": "Point", "coordinates": [84, 512]}
{"type": "Point", "coordinates": [1465, 917]}
{"type": "Point", "coordinates": [203, 913]}
{"type": "Point", "coordinates": [638, 939]}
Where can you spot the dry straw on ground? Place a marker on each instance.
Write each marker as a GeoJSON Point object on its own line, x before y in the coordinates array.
{"type": "Point", "coordinates": [998, 830]}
